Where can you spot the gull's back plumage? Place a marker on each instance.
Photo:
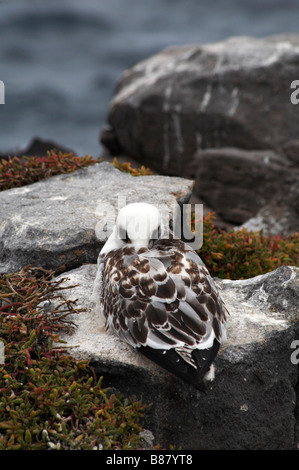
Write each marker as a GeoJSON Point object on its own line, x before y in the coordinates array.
{"type": "Point", "coordinates": [163, 301]}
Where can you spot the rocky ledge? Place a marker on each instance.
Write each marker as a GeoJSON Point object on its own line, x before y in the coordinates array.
{"type": "Point", "coordinates": [53, 223]}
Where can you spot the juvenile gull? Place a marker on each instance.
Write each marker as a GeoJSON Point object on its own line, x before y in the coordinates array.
{"type": "Point", "coordinates": [157, 295]}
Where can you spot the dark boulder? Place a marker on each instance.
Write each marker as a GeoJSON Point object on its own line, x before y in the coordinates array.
{"type": "Point", "coordinates": [235, 93]}
{"type": "Point", "coordinates": [221, 114]}
{"type": "Point", "coordinates": [238, 182]}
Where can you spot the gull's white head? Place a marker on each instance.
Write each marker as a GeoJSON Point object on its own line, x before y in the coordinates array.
{"type": "Point", "coordinates": [138, 224]}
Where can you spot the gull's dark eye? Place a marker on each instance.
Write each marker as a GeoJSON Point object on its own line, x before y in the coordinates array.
{"type": "Point", "coordinates": [126, 239]}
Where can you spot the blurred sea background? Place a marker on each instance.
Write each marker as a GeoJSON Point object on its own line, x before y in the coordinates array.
{"type": "Point", "coordinates": [60, 59]}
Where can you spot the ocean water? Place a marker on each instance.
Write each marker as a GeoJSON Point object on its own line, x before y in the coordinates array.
{"type": "Point", "coordinates": [60, 59]}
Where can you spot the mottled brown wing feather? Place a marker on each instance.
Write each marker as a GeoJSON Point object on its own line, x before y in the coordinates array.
{"type": "Point", "coordinates": [164, 302]}
{"type": "Point", "coordinates": [162, 298]}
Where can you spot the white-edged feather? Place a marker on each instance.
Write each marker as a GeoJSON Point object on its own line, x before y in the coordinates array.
{"type": "Point", "coordinates": [157, 295]}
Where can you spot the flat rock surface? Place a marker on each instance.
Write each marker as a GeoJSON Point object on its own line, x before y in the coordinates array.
{"type": "Point", "coordinates": [53, 223]}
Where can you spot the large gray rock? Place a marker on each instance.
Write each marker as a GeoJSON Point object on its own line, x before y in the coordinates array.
{"type": "Point", "coordinates": [56, 223]}
{"type": "Point", "coordinates": [235, 93]}
{"type": "Point", "coordinates": [252, 402]}
{"type": "Point", "coordinates": [182, 110]}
